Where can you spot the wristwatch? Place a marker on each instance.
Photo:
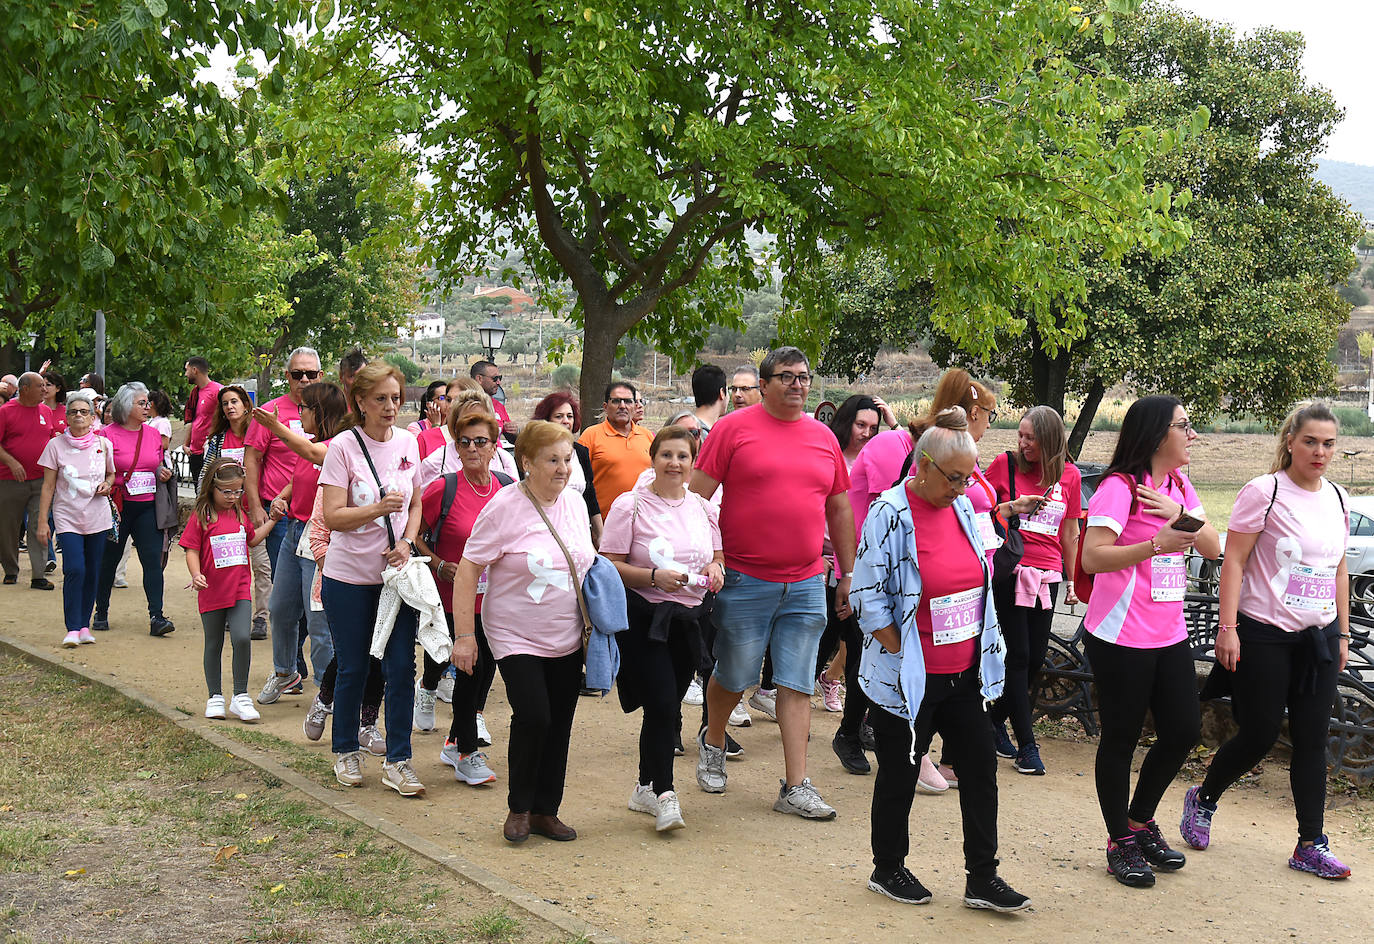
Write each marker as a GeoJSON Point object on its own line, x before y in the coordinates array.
{"type": "Point", "coordinates": [413, 548]}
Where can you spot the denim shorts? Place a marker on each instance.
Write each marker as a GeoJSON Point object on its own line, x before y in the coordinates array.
{"type": "Point", "coordinates": [787, 619]}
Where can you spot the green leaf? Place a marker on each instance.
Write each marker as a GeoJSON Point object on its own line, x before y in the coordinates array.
{"type": "Point", "coordinates": [324, 13]}
{"type": "Point", "coordinates": [246, 70]}
{"type": "Point", "coordinates": [158, 8]}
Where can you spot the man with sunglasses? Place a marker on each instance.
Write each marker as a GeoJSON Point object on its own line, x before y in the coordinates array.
{"type": "Point", "coordinates": [619, 447]}
{"type": "Point", "coordinates": [200, 410]}
{"type": "Point", "coordinates": [784, 480]}
{"type": "Point", "coordinates": [489, 376]}
{"type": "Point", "coordinates": [26, 425]}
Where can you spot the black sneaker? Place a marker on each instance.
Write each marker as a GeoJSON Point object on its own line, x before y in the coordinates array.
{"type": "Point", "coordinates": [1156, 850]}
{"type": "Point", "coordinates": [100, 624]}
{"type": "Point", "coordinates": [733, 749]}
{"type": "Point", "coordinates": [1028, 761]}
{"type": "Point", "coordinates": [1127, 863]}
{"type": "Point", "coordinates": [11, 579]}
{"type": "Point", "coordinates": [50, 566]}
{"type": "Point", "coordinates": [259, 630]}
{"type": "Point", "coordinates": [851, 753]}
{"type": "Point", "coordinates": [900, 885]}
{"type": "Point", "coordinates": [40, 583]}
{"type": "Point", "coordinates": [993, 894]}
{"type": "Point", "coordinates": [866, 738]}
{"type": "Point", "coordinates": [160, 626]}
{"type": "Point", "coordinates": [1002, 740]}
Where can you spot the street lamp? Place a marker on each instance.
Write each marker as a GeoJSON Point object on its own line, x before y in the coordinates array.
{"type": "Point", "coordinates": [490, 334]}
{"type": "Point", "coordinates": [33, 340]}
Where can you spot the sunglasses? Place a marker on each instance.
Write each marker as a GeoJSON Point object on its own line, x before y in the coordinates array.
{"type": "Point", "coordinates": [304, 374]}
{"type": "Point", "coordinates": [479, 441]}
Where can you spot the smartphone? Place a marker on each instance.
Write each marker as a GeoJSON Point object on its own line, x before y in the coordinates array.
{"type": "Point", "coordinates": [1188, 523]}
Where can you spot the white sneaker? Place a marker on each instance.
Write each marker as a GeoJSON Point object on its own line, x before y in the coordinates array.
{"type": "Point", "coordinates": [424, 708]}
{"type": "Point", "coordinates": [643, 800]}
{"type": "Point", "coordinates": [739, 715]}
{"type": "Point", "coordinates": [694, 695]}
{"type": "Point", "coordinates": [802, 800]}
{"type": "Point", "coordinates": [214, 707]}
{"type": "Point", "coordinates": [471, 769]}
{"type": "Point", "coordinates": [765, 700]}
{"type": "Point", "coordinates": [121, 584]}
{"type": "Point", "coordinates": [348, 769]}
{"type": "Point", "coordinates": [372, 740]}
{"type": "Point", "coordinates": [445, 690]}
{"type": "Point", "coordinates": [315, 717]}
{"type": "Point", "coordinates": [483, 735]}
{"type": "Point", "coordinates": [241, 707]}
{"type": "Point", "coordinates": [71, 640]}
{"type": "Point", "coordinates": [401, 777]}
{"type": "Point", "coordinates": [669, 813]}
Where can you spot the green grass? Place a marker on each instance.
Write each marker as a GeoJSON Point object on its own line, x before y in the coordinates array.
{"type": "Point", "coordinates": [496, 926]}
{"type": "Point", "coordinates": [1218, 499]}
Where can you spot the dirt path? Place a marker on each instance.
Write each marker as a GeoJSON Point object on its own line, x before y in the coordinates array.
{"type": "Point", "coordinates": [741, 871]}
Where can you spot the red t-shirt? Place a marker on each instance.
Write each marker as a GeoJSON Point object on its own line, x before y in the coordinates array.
{"type": "Point", "coordinates": [467, 502]}
{"type": "Point", "coordinates": [1041, 531]}
{"type": "Point", "coordinates": [278, 460]}
{"type": "Point", "coordinates": [223, 548]}
{"type": "Point", "coordinates": [304, 481]}
{"type": "Point", "coordinates": [24, 431]}
{"type": "Point", "coordinates": [137, 474]}
{"type": "Point", "coordinates": [951, 583]}
{"type": "Point", "coordinates": [777, 475]}
{"type": "Point", "coordinates": [207, 400]}
{"type": "Point", "coordinates": [432, 439]}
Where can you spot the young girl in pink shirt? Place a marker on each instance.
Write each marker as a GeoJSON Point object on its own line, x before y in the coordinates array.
{"type": "Point", "coordinates": [217, 540]}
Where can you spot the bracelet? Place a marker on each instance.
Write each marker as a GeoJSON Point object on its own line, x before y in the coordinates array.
{"type": "Point", "coordinates": [1154, 546]}
{"type": "Point", "coordinates": [653, 571]}
{"type": "Point", "coordinates": [1343, 635]}
{"type": "Point", "coordinates": [1223, 627]}
{"type": "Point", "coordinates": [465, 635]}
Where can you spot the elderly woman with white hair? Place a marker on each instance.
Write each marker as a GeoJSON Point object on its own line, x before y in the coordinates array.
{"type": "Point", "coordinates": [137, 452]}
{"type": "Point", "coordinates": [932, 657]}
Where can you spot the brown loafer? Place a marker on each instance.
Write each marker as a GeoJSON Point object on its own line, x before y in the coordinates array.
{"type": "Point", "coordinates": [517, 828]}
{"type": "Point", "coordinates": [551, 827]}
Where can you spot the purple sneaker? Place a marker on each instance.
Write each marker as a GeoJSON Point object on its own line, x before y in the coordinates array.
{"type": "Point", "coordinates": [1196, 825]}
{"type": "Point", "coordinates": [1318, 860]}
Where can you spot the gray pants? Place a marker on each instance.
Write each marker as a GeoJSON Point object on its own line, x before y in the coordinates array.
{"type": "Point", "coordinates": [238, 620]}
{"type": "Point", "coordinates": [15, 497]}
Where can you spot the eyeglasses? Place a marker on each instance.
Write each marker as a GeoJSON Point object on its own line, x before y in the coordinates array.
{"type": "Point", "coordinates": [621, 401]}
{"type": "Point", "coordinates": [992, 415]}
{"type": "Point", "coordinates": [229, 492]}
{"type": "Point", "coordinates": [788, 379]}
{"type": "Point", "coordinates": [743, 389]}
{"type": "Point", "coordinates": [494, 377]}
{"type": "Point", "coordinates": [951, 479]}
{"type": "Point", "coordinates": [481, 442]}
{"type": "Point", "coordinates": [1185, 425]}
{"type": "Point", "coordinates": [440, 398]}
{"type": "Point", "coordinates": [78, 412]}
{"type": "Point", "coordinates": [140, 403]}
{"type": "Point", "coordinates": [304, 374]}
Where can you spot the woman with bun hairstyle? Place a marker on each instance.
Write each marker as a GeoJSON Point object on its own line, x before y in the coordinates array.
{"type": "Point", "coordinates": [1137, 640]}
{"type": "Point", "coordinates": [1039, 469]}
{"type": "Point", "coordinates": [1285, 630]}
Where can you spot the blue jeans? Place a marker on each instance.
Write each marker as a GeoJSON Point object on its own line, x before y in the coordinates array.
{"type": "Point", "coordinates": [139, 521]}
{"type": "Point", "coordinates": [274, 542]}
{"type": "Point", "coordinates": [786, 619]}
{"type": "Point", "coordinates": [81, 556]}
{"type": "Point", "coordinates": [291, 580]}
{"type": "Point", "coordinates": [352, 610]}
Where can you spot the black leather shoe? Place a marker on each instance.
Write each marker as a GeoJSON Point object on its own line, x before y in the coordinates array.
{"type": "Point", "coordinates": [11, 579]}
{"type": "Point", "coordinates": [40, 583]}
{"type": "Point", "coordinates": [851, 753]}
{"type": "Point", "coordinates": [160, 626]}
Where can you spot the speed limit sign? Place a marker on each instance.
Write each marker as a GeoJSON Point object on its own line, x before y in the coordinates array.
{"type": "Point", "coordinates": [825, 412]}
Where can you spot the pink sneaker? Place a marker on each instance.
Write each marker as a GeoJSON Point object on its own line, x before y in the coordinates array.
{"type": "Point", "coordinates": [85, 637]}
{"type": "Point", "coordinates": [71, 640]}
{"type": "Point", "coordinates": [831, 695]}
{"type": "Point", "coordinates": [929, 779]}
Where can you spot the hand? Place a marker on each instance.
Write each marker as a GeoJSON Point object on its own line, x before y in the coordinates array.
{"type": "Point", "coordinates": [257, 516]}
{"type": "Point", "coordinates": [1345, 654]}
{"type": "Point", "coordinates": [46, 364]}
{"type": "Point", "coordinates": [198, 582]}
{"type": "Point", "coordinates": [1158, 504]}
{"type": "Point", "coordinates": [670, 581]}
{"type": "Point", "coordinates": [464, 656]}
{"type": "Point", "coordinates": [1070, 597]}
{"type": "Point", "coordinates": [1027, 504]}
{"type": "Point", "coordinates": [842, 608]}
{"type": "Point", "coordinates": [16, 469]}
{"type": "Point", "coordinates": [268, 418]}
{"type": "Point", "coordinates": [715, 572]}
{"type": "Point", "coordinates": [510, 430]}
{"type": "Point", "coordinates": [1227, 650]}
{"type": "Point", "coordinates": [1171, 540]}
{"type": "Point", "coordinates": [43, 533]}
{"type": "Point", "coordinates": [889, 417]}
{"type": "Point", "coordinates": [398, 555]}
{"type": "Point", "coordinates": [391, 503]}
{"type": "Point", "coordinates": [279, 508]}
{"type": "Point", "coordinates": [446, 571]}
{"type": "Point", "coordinates": [433, 414]}
{"type": "Point", "coordinates": [163, 473]}
{"type": "Point", "coordinates": [104, 488]}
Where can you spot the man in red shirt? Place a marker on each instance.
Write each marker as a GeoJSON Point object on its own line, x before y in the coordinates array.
{"type": "Point", "coordinates": [489, 376]}
{"type": "Point", "coordinates": [200, 411]}
{"type": "Point", "coordinates": [26, 425]}
{"type": "Point", "coordinates": [784, 480]}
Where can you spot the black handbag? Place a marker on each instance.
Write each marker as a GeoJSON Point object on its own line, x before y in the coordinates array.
{"type": "Point", "coordinates": [1006, 557]}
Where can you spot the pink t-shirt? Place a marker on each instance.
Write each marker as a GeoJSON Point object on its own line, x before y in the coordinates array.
{"type": "Point", "coordinates": [304, 482]}
{"type": "Point", "coordinates": [207, 401]}
{"type": "Point", "coordinates": [223, 549]}
{"type": "Point", "coordinates": [137, 474]}
{"type": "Point", "coordinates": [1290, 578]}
{"type": "Point", "coordinates": [1140, 607]}
{"type": "Point", "coordinates": [76, 508]}
{"type": "Point", "coordinates": [875, 471]}
{"type": "Point", "coordinates": [24, 431]}
{"type": "Point", "coordinates": [359, 556]}
{"type": "Point", "coordinates": [278, 459]}
{"type": "Point", "coordinates": [1041, 531]}
{"type": "Point", "coordinates": [531, 604]}
{"type": "Point", "coordinates": [232, 446]}
{"type": "Point", "coordinates": [680, 535]}
{"type": "Point", "coordinates": [468, 501]}
{"type": "Point", "coordinates": [432, 439]}
{"type": "Point", "coordinates": [776, 476]}
{"type": "Point", "coordinates": [949, 617]}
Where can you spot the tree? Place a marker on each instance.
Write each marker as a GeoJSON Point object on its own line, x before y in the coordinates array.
{"type": "Point", "coordinates": [117, 150]}
{"type": "Point", "coordinates": [1244, 315]}
{"type": "Point", "coordinates": [632, 148]}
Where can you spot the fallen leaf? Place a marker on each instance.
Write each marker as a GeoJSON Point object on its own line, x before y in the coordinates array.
{"type": "Point", "coordinates": [344, 855]}
{"type": "Point", "coordinates": [264, 840]}
{"type": "Point", "coordinates": [226, 853]}
{"type": "Point", "coordinates": [275, 889]}
{"type": "Point", "coordinates": [75, 873]}
{"type": "Point", "coordinates": [240, 796]}
{"type": "Point", "coordinates": [5, 808]}
{"type": "Point", "coordinates": [144, 774]}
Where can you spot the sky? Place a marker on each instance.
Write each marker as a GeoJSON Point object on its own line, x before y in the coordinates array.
{"type": "Point", "coordinates": [1338, 34]}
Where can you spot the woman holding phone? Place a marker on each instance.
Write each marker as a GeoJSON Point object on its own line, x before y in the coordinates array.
{"type": "Point", "coordinates": [1141, 521]}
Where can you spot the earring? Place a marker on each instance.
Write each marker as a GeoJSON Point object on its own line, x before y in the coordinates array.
{"type": "Point", "coordinates": [920, 481]}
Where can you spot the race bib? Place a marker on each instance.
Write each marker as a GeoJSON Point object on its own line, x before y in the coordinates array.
{"type": "Point", "coordinates": [229, 549]}
{"type": "Point", "coordinates": [1047, 520]}
{"type": "Point", "coordinates": [482, 583]}
{"type": "Point", "coordinates": [986, 531]}
{"type": "Point", "coordinates": [236, 454]}
{"type": "Point", "coordinates": [141, 483]}
{"type": "Point", "coordinates": [1311, 588]}
{"type": "Point", "coordinates": [295, 426]}
{"type": "Point", "coordinates": [956, 617]}
{"type": "Point", "coordinates": [1168, 578]}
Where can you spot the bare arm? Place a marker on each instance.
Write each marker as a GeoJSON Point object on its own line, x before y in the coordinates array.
{"type": "Point", "coordinates": [305, 448]}
{"type": "Point", "coordinates": [45, 504]}
{"type": "Point", "coordinates": [464, 604]}
{"type": "Point", "coordinates": [252, 472]}
{"type": "Point", "coordinates": [1068, 541]}
{"type": "Point", "coordinates": [839, 515]}
{"type": "Point", "coordinates": [705, 486]}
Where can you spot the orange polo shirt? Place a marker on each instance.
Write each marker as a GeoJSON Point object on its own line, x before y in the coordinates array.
{"type": "Point", "coordinates": [617, 459]}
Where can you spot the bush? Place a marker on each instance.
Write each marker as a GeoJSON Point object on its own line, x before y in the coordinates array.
{"type": "Point", "coordinates": [408, 367]}
{"type": "Point", "coordinates": [566, 377]}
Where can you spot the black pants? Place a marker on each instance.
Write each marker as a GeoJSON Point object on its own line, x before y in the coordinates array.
{"type": "Point", "coordinates": [1027, 634]}
{"type": "Point", "coordinates": [952, 706]}
{"type": "Point", "coordinates": [845, 630]}
{"type": "Point", "coordinates": [466, 688]}
{"type": "Point", "coordinates": [372, 688]}
{"type": "Point", "coordinates": [542, 693]}
{"type": "Point", "coordinates": [658, 673]}
{"type": "Point", "coordinates": [197, 462]}
{"type": "Point", "coordinates": [1128, 682]}
{"type": "Point", "coordinates": [1278, 670]}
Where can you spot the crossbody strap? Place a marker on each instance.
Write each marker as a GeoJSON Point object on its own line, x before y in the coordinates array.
{"type": "Point", "coordinates": [572, 568]}
{"type": "Point", "coordinates": [386, 517]}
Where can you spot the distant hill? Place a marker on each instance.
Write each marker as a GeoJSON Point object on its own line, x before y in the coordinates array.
{"type": "Point", "coordinates": [1354, 182]}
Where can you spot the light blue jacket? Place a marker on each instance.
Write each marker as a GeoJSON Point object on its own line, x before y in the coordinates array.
{"type": "Point", "coordinates": [886, 591]}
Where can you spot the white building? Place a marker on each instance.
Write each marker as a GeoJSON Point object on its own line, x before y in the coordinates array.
{"type": "Point", "coordinates": [422, 328]}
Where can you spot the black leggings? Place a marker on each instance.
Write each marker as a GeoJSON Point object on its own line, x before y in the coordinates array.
{"type": "Point", "coordinates": [1027, 634]}
{"type": "Point", "coordinates": [466, 688]}
{"type": "Point", "coordinates": [372, 689]}
{"type": "Point", "coordinates": [847, 631]}
{"type": "Point", "coordinates": [657, 673]}
{"type": "Point", "coordinates": [1278, 670]}
{"type": "Point", "coordinates": [542, 693]}
{"type": "Point", "coordinates": [1128, 682]}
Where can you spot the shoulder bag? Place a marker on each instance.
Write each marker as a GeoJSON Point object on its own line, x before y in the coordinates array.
{"type": "Point", "coordinates": [572, 568]}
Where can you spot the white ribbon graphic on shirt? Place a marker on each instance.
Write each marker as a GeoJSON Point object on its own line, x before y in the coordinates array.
{"type": "Point", "coordinates": [1288, 552]}
{"type": "Point", "coordinates": [545, 576]}
{"type": "Point", "coordinates": [82, 487]}
{"type": "Point", "coordinates": [661, 554]}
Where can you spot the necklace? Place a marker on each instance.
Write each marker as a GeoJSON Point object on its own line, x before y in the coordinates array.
{"type": "Point", "coordinates": [490, 485]}
{"type": "Point", "coordinates": [666, 500]}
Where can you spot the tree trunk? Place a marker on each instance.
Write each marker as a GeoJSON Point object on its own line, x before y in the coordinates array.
{"type": "Point", "coordinates": [599, 340]}
{"type": "Point", "coordinates": [10, 358]}
{"type": "Point", "coordinates": [1085, 417]}
{"type": "Point", "coordinates": [1049, 376]}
